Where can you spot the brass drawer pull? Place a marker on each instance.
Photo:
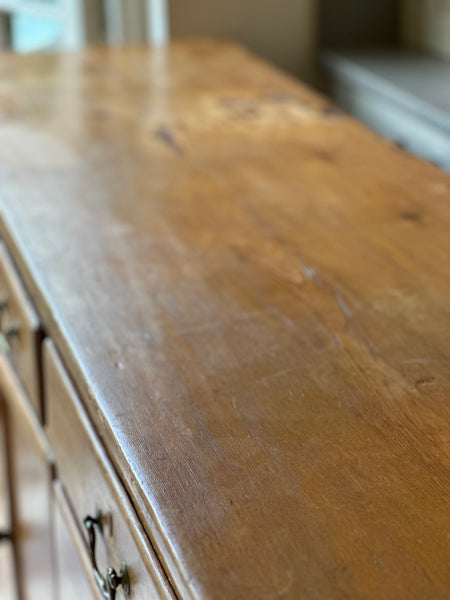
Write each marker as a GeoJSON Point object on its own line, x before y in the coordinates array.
{"type": "Point", "coordinates": [9, 332]}
{"type": "Point", "coordinates": [5, 536]}
{"type": "Point", "coordinates": [109, 584]}
{"type": "Point", "coordinates": [12, 330]}
{"type": "Point", "coordinates": [5, 347]}
{"type": "Point", "coordinates": [4, 299]}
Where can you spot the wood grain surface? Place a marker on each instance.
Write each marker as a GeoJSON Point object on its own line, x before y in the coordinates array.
{"type": "Point", "coordinates": [251, 292]}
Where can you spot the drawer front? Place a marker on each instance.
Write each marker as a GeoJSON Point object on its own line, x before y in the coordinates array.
{"type": "Point", "coordinates": [94, 491]}
{"type": "Point", "coordinates": [7, 587]}
{"type": "Point", "coordinates": [5, 508]}
{"type": "Point", "coordinates": [20, 336]}
{"type": "Point", "coordinates": [31, 476]}
{"type": "Point", "coordinates": [73, 578]}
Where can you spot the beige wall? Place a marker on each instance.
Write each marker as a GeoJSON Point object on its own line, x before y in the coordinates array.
{"type": "Point", "coordinates": [284, 31]}
{"type": "Point", "coordinates": [93, 14]}
{"type": "Point", "coordinates": [426, 23]}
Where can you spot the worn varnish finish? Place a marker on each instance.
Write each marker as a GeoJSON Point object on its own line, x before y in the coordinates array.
{"type": "Point", "coordinates": [250, 291]}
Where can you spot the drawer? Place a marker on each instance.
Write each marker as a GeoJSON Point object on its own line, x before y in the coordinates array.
{"type": "Point", "coordinates": [31, 473]}
{"type": "Point", "coordinates": [20, 333]}
{"type": "Point", "coordinates": [73, 576]}
{"type": "Point", "coordinates": [5, 501]}
{"type": "Point", "coordinates": [95, 494]}
{"type": "Point", "coordinates": [7, 589]}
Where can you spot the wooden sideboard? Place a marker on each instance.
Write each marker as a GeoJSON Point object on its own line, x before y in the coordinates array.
{"type": "Point", "coordinates": [225, 324]}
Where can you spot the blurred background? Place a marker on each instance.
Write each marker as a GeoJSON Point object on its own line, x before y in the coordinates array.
{"type": "Point", "coordinates": [384, 61]}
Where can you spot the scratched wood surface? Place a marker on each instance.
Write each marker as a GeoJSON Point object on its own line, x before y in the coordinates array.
{"type": "Point", "coordinates": [251, 292]}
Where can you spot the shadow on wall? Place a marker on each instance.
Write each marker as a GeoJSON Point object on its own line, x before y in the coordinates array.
{"type": "Point", "coordinates": [345, 23]}
{"type": "Point", "coordinates": [426, 24]}
{"type": "Point", "coordinates": [283, 32]}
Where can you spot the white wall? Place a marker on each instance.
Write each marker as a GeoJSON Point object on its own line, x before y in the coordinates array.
{"type": "Point", "coordinates": [284, 31]}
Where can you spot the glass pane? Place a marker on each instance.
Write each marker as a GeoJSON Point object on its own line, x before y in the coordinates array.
{"type": "Point", "coordinates": [43, 1]}
{"type": "Point", "coordinates": [30, 33]}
